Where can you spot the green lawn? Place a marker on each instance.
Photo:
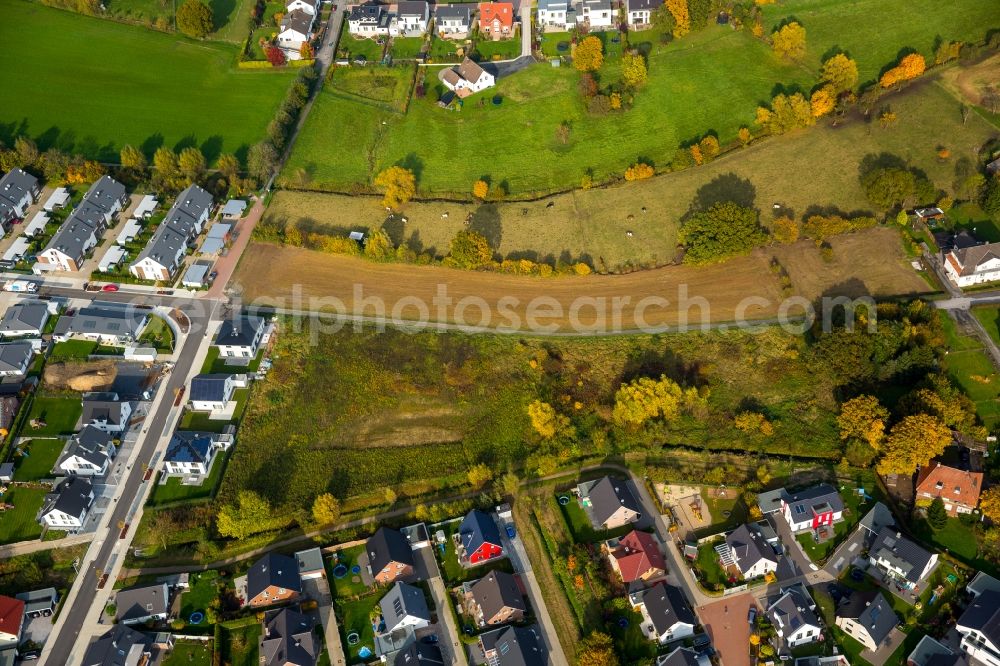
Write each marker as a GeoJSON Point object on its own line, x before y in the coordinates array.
{"type": "Point", "coordinates": [874, 31]}
{"type": "Point", "coordinates": [353, 617]}
{"type": "Point", "coordinates": [152, 88]}
{"type": "Point", "coordinates": [59, 412]}
{"type": "Point", "coordinates": [19, 524]}
{"type": "Point", "coordinates": [158, 334]}
{"type": "Point", "coordinates": [630, 642]}
{"type": "Point", "coordinates": [989, 317]}
{"type": "Point", "coordinates": [42, 455]}
{"type": "Point", "coordinates": [351, 47]}
{"type": "Point", "coordinates": [190, 653]}
{"type": "Point", "coordinates": [73, 350]}
{"type": "Point", "coordinates": [239, 645]}
{"type": "Point", "coordinates": [203, 591]}
{"type": "Point", "coordinates": [974, 219]}
{"type": "Point", "coordinates": [446, 50]}
{"type": "Point", "coordinates": [231, 18]}
{"type": "Point", "coordinates": [215, 365]}
{"type": "Point", "coordinates": [201, 421]}
{"type": "Point", "coordinates": [174, 491]}
{"type": "Point", "coordinates": [970, 367]}
{"type": "Point", "coordinates": [551, 41]}
{"type": "Point", "coordinates": [389, 86]}
{"type": "Point", "coordinates": [406, 47]}
{"type": "Point", "coordinates": [959, 539]}
{"type": "Point", "coordinates": [346, 586]}
{"type": "Point", "coordinates": [713, 576]}
{"type": "Point", "coordinates": [505, 49]}
{"type": "Point", "coordinates": [579, 524]}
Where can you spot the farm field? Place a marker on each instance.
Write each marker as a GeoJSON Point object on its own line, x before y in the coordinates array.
{"type": "Point", "coordinates": [230, 17]}
{"type": "Point", "coordinates": [93, 100]}
{"type": "Point", "coordinates": [378, 401]}
{"type": "Point", "coordinates": [817, 167]}
{"type": "Point", "coordinates": [690, 92]}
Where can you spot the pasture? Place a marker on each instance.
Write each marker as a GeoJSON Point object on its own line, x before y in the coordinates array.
{"type": "Point", "coordinates": [231, 18]}
{"type": "Point", "coordinates": [91, 86]}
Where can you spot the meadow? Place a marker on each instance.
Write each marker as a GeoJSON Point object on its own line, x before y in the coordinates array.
{"type": "Point", "coordinates": [708, 82]}
{"type": "Point", "coordinates": [378, 401]}
{"type": "Point", "coordinates": [91, 86]}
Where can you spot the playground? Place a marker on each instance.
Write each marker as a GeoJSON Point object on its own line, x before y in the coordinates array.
{"type": "Point", "coordinates": [698, 508]}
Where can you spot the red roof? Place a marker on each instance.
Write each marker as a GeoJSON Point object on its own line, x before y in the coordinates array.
{"type": "Point", "coordinates": [636, 554]}
{"type": "Point", "coordinates": [11, 614]}
{"type": "Point", "coordinates": [501, 11]}
{"type": "Point", "coordinates": [950, 484]}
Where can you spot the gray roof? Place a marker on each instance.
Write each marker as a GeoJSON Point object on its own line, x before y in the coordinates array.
{"type": "Point", "coordinates": [288, 638]}
{"type": "Point", "coordinates": [878, 517]}
{"type": "Point", "coordinates": [873, 611]}
{"type": "Point", "coordinates": [461, 12]}
{"type": "Point", "coordinates": [139, 602]}
{"type": "Point", "coordinates": [608, 495]}
{"type": "Point", "coordinates": [72, 236]}
{"type": "Point", "coordinates": [666, 607]}
{"type": "Point", "coordinates": [273, 569]}
{"type": "Point", "coordinates": [901, 552]}
{"type": "Point", "coordinates": [103, 407]}
{"type": "Point", "coordinates": [981, 583]}
{"type": "Point", "coordinates": [106, 318]}
{"type": "Point", "coordinates": [72, 497]}
{"type": "Point", "coordinates": [681, 656]}
{"type": "Point", "coordinates": [419, 654]}
{"type": "Point", "coordinates": [749, 547]}
{"type": "Point", "coordinates": [38, 600]}
{"type": "Point", "coordinates": [15, 185]}
{"type": "Point", "coordinates": [929, 652]}
{"type": "Point", "coordinates": [983, 615]}
{"type": "Point", "coordinates": [402, 601]}
{"type": "Point", "coordinates": [26, 315]}
{"type": "Point", "coordinates": [14, 354]}
{"type": "Point", "coordinates": [770, 501]}
{"type": "Point", "coordinates": [235, 207]}
{"type": "Point", "coordinates": [166, 247]}
{"type": "Point", "coordinates": [791, 611]}
{"type": "Point", "coordinates": [970, 258]}
{"type": "Point", "coordinates": [470, 70]}
{"type": "Point", "coordinates": [299, 21]}
{"type": "Point", "coordinates": [310, 559]}
{"type": "Point", "coordinates": [550, 5]}
{"type": "Point", "coordinates": [193, 202]}
{"type": "Point", "coordinates": [815, 500]}
{"type": "Point", "coordinates": [636, 5]}
{"type": "Point", "coordinates": [495, 591]}
{"type": "Point", "coordinates": [516, 646]}
{"type": "Point", "coordinates": [219, 230]}
{"type": "Point", "coordinates": [240, 331]}
{"type": "Point", "coordinates": [106, 192]}
{"type": "Point", "coordinates": [412, 8]}
{"type": "Point", "coordinates": [370, 12]}
{"type": "Point", "coordinates": [121, 646]}
{"type": "Point", "coordinates": [91, 444]}
{"type": "Point", "coordinates": [196, 273]}
{"type": "Point", "coordinates": [209, 388]}
{"type": "Point", "coordinates": [386, 546]}
{"type": "Point", "coordinates": [186, 446]}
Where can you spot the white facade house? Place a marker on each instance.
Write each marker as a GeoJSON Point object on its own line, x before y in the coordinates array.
{"type": "Point", "coordinates": [88, 453]}
{"type": "Point", "coordinates": [749, 552]}
{"type": "Point", "coordinates": [296, 30]}
{"type": "Point", "coordinates": [212, 393]}
{"type": "Point", "coordinates": [597, 14]}
{"type": "Point", "coordinates": [969, 266]}
{"type": "Point", "coordinates": [106, 411]}
{"type": "Point", "coordinates": [900, 559]}
{"type": "Point", "coordinates": [307, 6]}
{"type": "Point", "coordinates": [665, 614]}
{"type": "Point", "coordinates": [453, 20]}
{"type": "Point", "coordinates": [640, 12]}
{"type": "Point", "coordinates": [412, 17]}
{"type": "Point", "coordinates": [404, 607]}
{"type": "Point", "coordinates": [15, 358]}
{"type": "Point", "coordinates": [979, 627]}
{"type": "Point", "coordinates": [192, 454]}
{"type": "Point", "coordinates": [67, 506]}
{"type": "Point", "coordinates": [467, 78]}
{"type": "Point", "coordinates": [241, 336]}
{"type": "Point", "coordinates": [369, 19]}
{"type": "Point", "coordinates": [553, 14]}
{"type": "Point", "coordinates": [794, 618]}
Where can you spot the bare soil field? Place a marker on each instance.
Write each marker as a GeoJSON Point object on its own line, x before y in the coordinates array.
{"type": "Point", "coordinates": [745, 288]}
{"type": "Point", "coordinates": [971, 82]}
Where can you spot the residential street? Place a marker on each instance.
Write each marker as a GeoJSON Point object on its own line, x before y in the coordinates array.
{"type": "Point", "coordinates": [440, 596]}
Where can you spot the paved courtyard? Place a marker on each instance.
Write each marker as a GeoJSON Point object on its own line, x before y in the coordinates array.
{"type": "Point", "coordinates": [726, 624]}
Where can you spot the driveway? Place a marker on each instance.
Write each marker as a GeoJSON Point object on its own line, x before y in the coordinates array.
{"type": "Point", "coordinates": [450, 642]}
{"type": "Point", "coordinates": [879, 657]}
{"type": "Point", "coordinates": [526, 28]}
{"type": "Point", "coordinates": [795, 562]}
{"type": "Point", "coordinates": [726, 623]}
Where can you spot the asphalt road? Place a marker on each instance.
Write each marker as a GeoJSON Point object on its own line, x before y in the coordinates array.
{"type": "Point", "coordinates": [68, 641]}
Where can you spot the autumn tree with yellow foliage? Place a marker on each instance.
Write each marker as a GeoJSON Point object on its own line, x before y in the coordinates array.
{"type": "Point", "coordinates": [910, 67]}
{"type": "Point", "coordinates": [644, 399]}
{"type": "Point", "coordinates": [546, 421]}
{"type": "Point", "coordinates": [989, 503]}
{"type": "Point", "coordinates": [399, 185]}
{"type": "Point", "coordinates": [789, 42]}
{"type": "Point", "coordinates": [633, 69]}
{"type": "Point", "coordinates": [841, 73]}
{"type": "Point", "coordinates": [784, 229]}
{"type": "Point", "coordinates": [480, 189]}
{"type": "Point", "coordinates": [639, 171]}
{"type": "Point", "coordinates": [709, 148]}
{"type": "Point", "coordinates": [913, 442]}
{"type": "Point", "coordinates": [589, 54]}
{"type": "Point", "coordinates": [823, 101]}
{"type": "Point", "coordinates": [863, 418]}
{"type": "Point", "coordinates": [682, 19]}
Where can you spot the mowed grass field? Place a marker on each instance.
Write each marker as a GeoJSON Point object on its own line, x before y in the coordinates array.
{"type": "Point", "coordinates": [692, 90]}
{"type": "Point", "coordinates": [88, 85]}
{"type": "Point", "coordinates": [231, 18]}
{"type": "Point", "coordinates": [815, 167]}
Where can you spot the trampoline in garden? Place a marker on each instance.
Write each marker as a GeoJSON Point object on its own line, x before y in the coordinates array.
{"type": "Point", "coordinates": [196, 617]}
{"type": "Point", "coordinates": [623, 622]}
{"type": "Point", "coordinates": [339, 571]}
{"type": "Point", "coordinates": [364, 652]}
{"type": "Point", "coordinates": [563, 500]}
{"type": "Point", "coordinates": [356, 569]}
{"type": "Point", "coordinates": [353, 638]}
{"type": "Point", "coordinates": [562, 47]}
{"type": "Point", "coordinates": [497, 100]}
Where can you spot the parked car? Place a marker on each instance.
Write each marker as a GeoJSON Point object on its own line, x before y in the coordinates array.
{"type": "Point", "coordinates": [7, 263]}
{"type": "Point", "coordinates": [752, 615]}
{"type": "Point", "coordinates": [91, 287]}
{"type": "Point", "coordinates": [511, 532]}
{"type": "Point", "coordinates": [430, 639]}
{"type": "Point", "coordinates": [110, 287]}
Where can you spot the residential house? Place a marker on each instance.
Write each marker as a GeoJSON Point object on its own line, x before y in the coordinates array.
{"type": "Point", "coordinates": [666, 616]}
{"type": "Point", "coordinates": [164, 253]}
{"type": "Point", "coordinates": [609, 503]}
{"type": "Point", "coordinates": [812, 508]}
{"type": "Point", "coordinates": [15, 358]}
{"type": "Point", "coordinates": [412, 17]}
{"type": "Point", "coordinates": [980, 629]}
{"type": "Point", "coordinates": [594, 14]}
{"type": "Point", "coordinates": [453, 21]}
{"type": "Point", "coordinates": [68, 248]}
{"type": "Point", "coordinates": [369, 19]}
{"type": "Point", "coordinates": [307, 6]}
{"type": "Point", "coordinates": [636, 556]}
{"type": "Point", "coordinates": [749, 553]}
{"type": "Point", "coordinates": [58, 199]}
{"type": "Point", "coordinates": [11, 621]}
{"type": "Point", "coordinates": [122, 646]}
{"type": "Point", "coordinates": [969, 266]}
{"type": "Point", "coordinates": [982, 582]}
{"type": "Point", "coordinates": [310, 564]}
{"type": "Point", "coordinates": [234, 208]}
{"type": "Point", "coordinates": [272, 579]}
{"type": "Point", "coordinates": [513, 646]}
{"type": "Point", "coordinates": [88, 453]}
{"type": "Point", "coordinates": [106, 411]}
{"type": "Point", "coordinates": [478, 538]}
{"type": "Point", "coordinates": [18, 190]}
{"type": "Point", "coordinates": [419, 654]}
{"type": "Point", "coordinates": [930, 652]}
{"type": "Point", "coordinates": [958, 489]}
{"type": "Point", "coordinates": [211, 393]}
{"type": "Point", "coordinates": [467, 78]}
{"type": "Point", "coordinates": [794, 617]}
{"type": "Point", "coordinates": [900, 559]}
{"type": "Point", "coordinates": [138, 605]}
{"type": "Point", "coordinates": [296, 29]}
{"type": "Point", "coordinates": [640, 12]}
{"type": "Point", "coordinates": [241, 336]}
{"type": "Point", "coordinates": [287, 639]}
{"type": "Point", "coordinates": [39, 603]}
{"type": "Point", "coordinates": [683, 656]}
{"type": "Point", "coordinates": [868, 618]}
{"type": "Point", "coordinates": [105, 322]}
{"type": "Point", "coordinates": [404, 606]}
{"type": "Point", "coordinates": [66, 507]}
{"type": "Point", "coordinates": [191, 454]}
{"type": "Point", "coordinates": [553, 14]}
{"type": "Point", "coordinates": [495, 598]}
{"type": "Point", "coordinates": [496, 20]}
{"type": "Point", "coordinates": [216, 239]}
{"type": "Point", "coordinates": [390, 556]}
{"type": "Point", "coordinates": [24, 319]}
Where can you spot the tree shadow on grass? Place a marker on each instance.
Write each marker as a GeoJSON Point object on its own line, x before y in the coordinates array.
{"type": "Point", "coordinates": [728, 187]}
{"type": "Point", "coordinates": [486, 222]}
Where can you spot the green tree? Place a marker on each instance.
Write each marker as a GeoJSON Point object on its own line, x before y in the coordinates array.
{"type": "Point", "coordinates": [479, 475]}
{"type": "Point", "coordinates": [888, 187]}
{"type": "Point", "coordinates": [228, 166]}
{"type": "Point", "coordinates": [724, 230]}
{"type": "Point", "coordinates": [262, 158]}
{"type": "Point", "coordinates": [326, 509]}
{"type": "Point", "coordinates": [251, 514]}
{"type": "Point", "coordinates": [27, 152]}
{"type": "Point", "coordinates": [167, 168]}
{"type": "Point", "coordinates": [840, 72]}
{"type": "Point", "coordinates": [510, 484]}
{"type": "Point", "coordinates": [633, 69]}
{"type": "Point", "coordinates": [399, 185]}
{"type": "Point", "coordinates": [469, 250]}
{"type": "Point", "coordinates": [646, 398]}
{"type": "Point", "coordinates": [937, 516]}
{"type": "Point", "coordinates": [194, 19]}
{"type": "Point", "coordinates": [192, 164]}
{"type": "Point", "coordinates": [589, 54]}
{"type": "Point", "coordinates": [991, 198]}
{"type": "Point", "coordinates": [378, 245]}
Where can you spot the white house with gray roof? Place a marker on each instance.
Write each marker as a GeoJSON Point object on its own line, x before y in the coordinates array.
{"type": "Point", "coordinates": [868, 618]}
{"type": "Point", "coordinates": [105, 410]}
{"type": "Point", "coordinates": [18, 190]}
{"type": "Point", "coordinates": [552, 14]}
{"type": "Point", "coordinates": [137, 605]}
{"type": "Point", "coordinates": [67, 249]}
{"type": "Point", "coordinates": [640, 12]}
{"type": "Point", "coordinates": [794, 617]}
{"type": "Point", "coordinates": [979, 627]}
{"type": "Point", "coordinates": [901, 560]}
{"type": "Point", "coordinates": [748, 550]}
{"type": "Point", "coordinates": [369, 19]}
{"type": "Point", "coordinates": [105, 322]}
{"type": "Point", "coordinates": [25, 318]}
{"type": "Point", "coordinates": [594, 14]}
{"type": "Point", "coordinates": [609, 502]}
{"type": "Point", "coordinates": [666, 615]}
{"type": "Point", "coordinates": [240, 336]}
{"type": "Point", "coordinates": [88, 453]}
{"type": "Point", "coordinates": [164, 254]}
{"type": "Point", "coordinates": [66, 507]}
{"type": "Point", "coordinates": [15, 358]}
{"type": "Point", "coordinates": [295, 30]}
{"type": "Point", "coordinates": [412, 17]}
{"type": "Point", "coordinates": [453, 21]}
{"type": "Point", "coordinates": [404, 606]}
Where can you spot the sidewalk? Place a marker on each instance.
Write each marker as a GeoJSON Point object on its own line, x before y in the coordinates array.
{"type": "Point", "coordinates": [226, 266]}
{"type": "Point", "coordinates": [35, 546]}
